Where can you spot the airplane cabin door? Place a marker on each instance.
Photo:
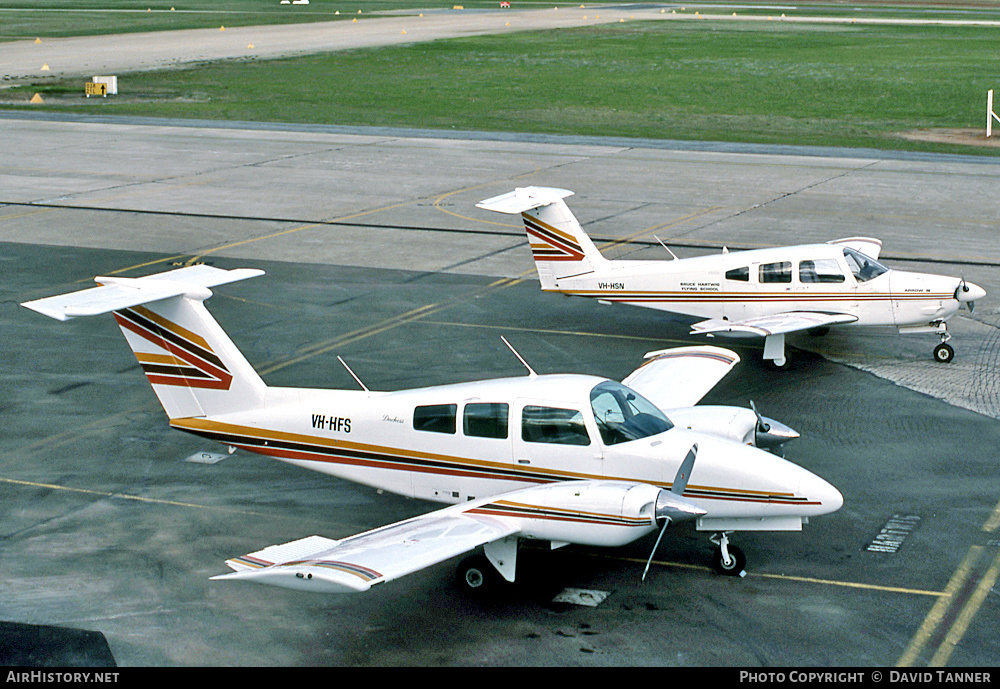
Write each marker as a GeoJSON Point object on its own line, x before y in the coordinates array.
{"type": "Point", "coordinates": [825, 286]}
{"type": "Point", "coordinates": [555, 441]}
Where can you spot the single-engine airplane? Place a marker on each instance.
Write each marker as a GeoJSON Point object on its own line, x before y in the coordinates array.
{"type": "Point", "coordinates": [758, 293]}
{"type": "Point", "coordinates": [560, 458]}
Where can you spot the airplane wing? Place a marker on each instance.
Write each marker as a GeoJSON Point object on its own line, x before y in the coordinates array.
{"type": "Point", "coordinates": [679, 377]}
{"type": "Point", "coordinates": [591, 512]}
{"type": "Point", "coordinates": [866, 245]}
{"type": "Point", "coordinates": [775, 324]}
{"type": "Point", "coordinates": [357, 563]}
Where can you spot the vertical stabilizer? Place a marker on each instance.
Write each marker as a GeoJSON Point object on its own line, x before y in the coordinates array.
{"type": "Point", "coordinates": [193, 366]}
{"type": "Point", "coordinates": [559, 245]}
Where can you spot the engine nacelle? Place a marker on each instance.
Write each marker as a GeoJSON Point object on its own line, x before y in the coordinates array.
{"type": "Point", "coordinates": [600, 513]}
{"type": "Point", "coordinates": [733, 423]}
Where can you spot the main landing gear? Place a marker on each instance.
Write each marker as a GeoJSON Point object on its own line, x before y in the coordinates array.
{"type": "Point", "coordinates": [727, 559]}
{"type": "Point", "coordinates": [478, 576]}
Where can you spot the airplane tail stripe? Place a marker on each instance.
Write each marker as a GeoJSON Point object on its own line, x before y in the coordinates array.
{"type": "Point", "coordinates": [554, 232]}
{"type": "Point", "coordinates": [166, 331]}
{"type": "Point", "coordinates": [190, 364]}
{"type": "Point", "coordinates": [556, 245]}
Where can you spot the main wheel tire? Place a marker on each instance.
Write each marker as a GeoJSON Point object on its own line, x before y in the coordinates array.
{"type": "Point", "coordinates": [737, 562]}
{"type": "Point", "coordinates": [785, 364]}
{"type": "Point", "coordinates": [943, 353]}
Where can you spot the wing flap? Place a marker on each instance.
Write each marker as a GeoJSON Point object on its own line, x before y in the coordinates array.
{"type": "Point", "coordinates": [774, 324]}
{"type": "Point", "coordinates": [120, 293]}
{"type": "Point", "coordinates": [680, 377]}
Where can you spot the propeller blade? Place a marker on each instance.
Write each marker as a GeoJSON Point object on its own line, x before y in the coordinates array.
{"type": "Point", "coordinates": [671, 507]}
{"type": "Point", "coordinates": [666, 523]}
{"type": "Point", "coordinates": [962, 289]}
{"type": "Point", "coordinates": [684, 473]}
{"type": "Point", "coordinates": [762, 427]}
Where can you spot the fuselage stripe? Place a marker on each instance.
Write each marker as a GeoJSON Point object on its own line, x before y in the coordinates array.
{"type": "Point", "coordinates": [305, 448]}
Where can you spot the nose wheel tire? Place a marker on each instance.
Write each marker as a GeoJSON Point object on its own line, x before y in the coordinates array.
{"type": "Point", "coordinates": [943, 353]}
{"type": "Point", "coordinates": [736, 564]}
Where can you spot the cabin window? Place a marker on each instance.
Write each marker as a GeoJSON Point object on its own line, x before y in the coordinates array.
{"type": "Point", "coordinates": [820, 270]}
{"type": "Point", "coordinates": [739, 274]}
{"type": "Point", "coordinates": [485, 420]}
{"type": "Point", "coordinates": [437, 418]}
{"type": "Point", "coordinates": [552, 425]}
{"type": "Point", "coordinates": [622, 414]}
{"type": "Point", "coordinates": [863, 267]}
{"type": "Point", "coordinates": [776, 272]}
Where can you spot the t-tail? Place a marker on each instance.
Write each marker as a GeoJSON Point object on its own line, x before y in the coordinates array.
{"type": "Point", "coordinates": [193, 366]}
{"type": "Point", "coordinates": [559, 245]}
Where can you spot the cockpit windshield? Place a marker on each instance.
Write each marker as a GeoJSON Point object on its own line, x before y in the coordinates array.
{"type": "Point", "coordinates": [864, 267]}
{"type": "Point", "coordinates": [622, 414]}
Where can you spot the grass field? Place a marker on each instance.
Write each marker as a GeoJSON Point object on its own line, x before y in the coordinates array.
{"type": "Point", "coordinates": [800, 84]}
{"type": "Point", "coordinates": [836, 85]}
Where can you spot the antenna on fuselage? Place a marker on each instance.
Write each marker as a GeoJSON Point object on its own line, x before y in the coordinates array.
{"type": "Point", "coordinates": [666, 247]}
{"type": "Point", "coordinates": [353, 374]}
{"type": "Point", "coordinates": [531, 371]}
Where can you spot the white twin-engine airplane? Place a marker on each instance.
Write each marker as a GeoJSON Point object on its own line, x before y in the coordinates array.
{"type": "Point", "coordinates": [560, 458]}
{"type": "Point", "coordinates": [759, 293]}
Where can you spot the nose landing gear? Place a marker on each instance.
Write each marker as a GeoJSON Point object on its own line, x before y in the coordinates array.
{"type": "Point", "coordinates": [727, 559]}
{"type": "Point", "coordinates": [943, 353]}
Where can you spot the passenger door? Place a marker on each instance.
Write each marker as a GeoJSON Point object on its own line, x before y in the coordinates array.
{"type": "Point", "coordinates": [825, 286]}
{"type": "Point", "coordinates": [555, 441]}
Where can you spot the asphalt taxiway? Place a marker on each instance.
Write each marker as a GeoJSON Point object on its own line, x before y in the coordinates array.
{"type": "Point", "coordinates": [374, 251]}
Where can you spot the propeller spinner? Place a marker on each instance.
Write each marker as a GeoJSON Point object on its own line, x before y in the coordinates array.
{"type": "Point", "coordinates": [967, 293]}
{"type": "Point", "coordinates": [769, 433]}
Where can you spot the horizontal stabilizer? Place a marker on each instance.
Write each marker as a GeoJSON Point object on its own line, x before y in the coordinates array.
{"type": "Point", "coordinates": [680, 377]}
{"type": "Point", "coordinates": [523, 199]}
{"type": "Point", "coordinates": [120, 293]}
{"type": "Point", "coordinates": [776, 324]}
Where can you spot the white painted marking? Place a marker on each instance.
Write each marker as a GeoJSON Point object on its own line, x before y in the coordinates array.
{"type": "Point", "coordinates": [206, 457]}
{"type": "Point", "coordinates": [587, 597]}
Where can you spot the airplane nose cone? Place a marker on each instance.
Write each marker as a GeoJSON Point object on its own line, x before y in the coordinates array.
{"type": "Point", "coordinates": [969, 292]}
{"type": "Point", "coordinates": [823, 496]}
